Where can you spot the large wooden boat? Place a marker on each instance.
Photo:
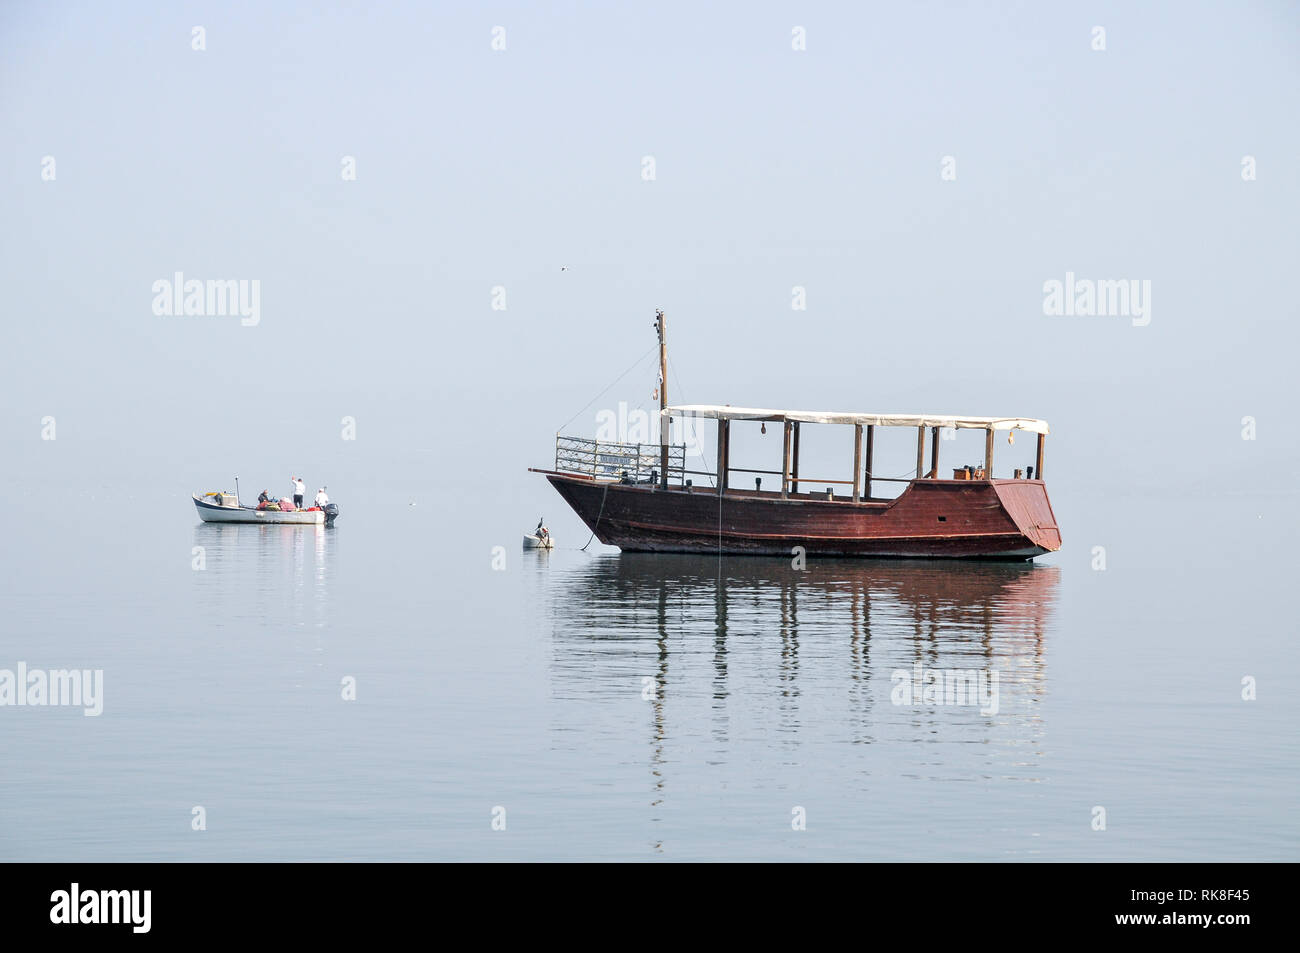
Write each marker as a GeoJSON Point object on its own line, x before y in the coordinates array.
{"type": "Point", "coordinates": [638, 497]}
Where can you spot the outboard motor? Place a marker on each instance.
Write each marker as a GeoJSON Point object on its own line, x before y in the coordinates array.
{"type": "Point", "coordinates": [331, 512]}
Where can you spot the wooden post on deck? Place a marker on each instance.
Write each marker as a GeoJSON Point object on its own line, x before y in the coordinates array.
{"type": "Point", "coordinates": [934, 454]}
{"type": "Point", "coordinates": [988, 454]}
{"type": "Point", "coordinates": [857, 462]}
{"type": "Point", "coordinates": [871, 446]}
{"type": "Point", "coordinates": [920, 452]}
{"type": "Point", "coordinates": [785, 462]}
{"type": "Point", "coordinates": [724, 452]}
{"type": "Point", "coordinates": [794, 463]}
{"type": "Point", "coordinates": [1038, 467]}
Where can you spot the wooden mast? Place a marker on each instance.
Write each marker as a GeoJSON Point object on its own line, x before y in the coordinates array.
{"type": "Point", "coordinates": [660, 326]}
{"type": "Point", "coordinates": [1038, 469]}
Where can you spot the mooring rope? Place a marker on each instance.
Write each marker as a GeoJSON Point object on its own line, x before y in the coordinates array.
{"type": "Point", "coordinates": [598, 516]}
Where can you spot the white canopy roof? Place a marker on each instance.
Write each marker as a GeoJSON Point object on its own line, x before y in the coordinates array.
{"type": "Point", "coordinates": [721, 412]}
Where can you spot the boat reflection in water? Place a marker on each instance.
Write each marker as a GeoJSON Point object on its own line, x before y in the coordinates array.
{"type": "Point", "coordinates": [743, 656]}
{"type": "Point", "coordinates": [266, 571]}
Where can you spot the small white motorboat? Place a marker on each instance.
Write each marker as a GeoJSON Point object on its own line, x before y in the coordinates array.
{"type": "Point", "coordinates": [539, 538]}
{"type": "Point", "coordinates": [222, 506]}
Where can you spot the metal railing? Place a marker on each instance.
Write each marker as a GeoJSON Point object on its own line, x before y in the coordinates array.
{"type": "Point", "coordinates": [603, 460]}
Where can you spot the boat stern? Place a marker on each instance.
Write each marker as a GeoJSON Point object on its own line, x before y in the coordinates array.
{"type": "Point", "coordinates": [1026, 502]}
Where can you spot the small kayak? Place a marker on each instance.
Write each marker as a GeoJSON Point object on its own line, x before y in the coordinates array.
{"type": "Point", "coordinates": [223, 507]}
{"type": "Point", "coordinates": [539, 542]}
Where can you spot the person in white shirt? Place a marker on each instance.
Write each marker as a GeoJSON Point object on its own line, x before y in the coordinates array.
{"type": "Point", "coordinates": [322, 498]}
{"type": "Point", "coordinates": [299, 491]}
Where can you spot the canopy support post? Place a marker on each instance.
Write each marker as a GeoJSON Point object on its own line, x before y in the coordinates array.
{"type": "Point", "coordinates": [794, 464]}
{"type": "Point", "coordinates": [857, 463]}
{"type": "Point", "coordinates": [871, 446]}
{"type": "Point", "coordinates": [724, 453]}
{"type": "Point", "coordinates": [988, 453]}
{"type": "Point", "coordinates": [920, 452]}
{"type": "Point", "coordinates": [934, 454]}
{"type": "Point", "coordinates": [785, 462]}
{"type": "Point", "coordinates": [1038, 467]}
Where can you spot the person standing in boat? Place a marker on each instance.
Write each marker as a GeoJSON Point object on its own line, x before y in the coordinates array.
{"type": "Point", "coordinates": [299, 491]}
{"type": "Point", "coordinates": [322, 498]}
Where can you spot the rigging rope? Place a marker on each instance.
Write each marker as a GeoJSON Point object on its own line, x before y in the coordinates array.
{"type": "Point", "coordinates": [719, 576]}
{"type": "Point", "coordinates": [909, 475]}
{"type": "Point", "coordinates": [607, 387]}
{"type": "Point", "coordinates": [681, 390]}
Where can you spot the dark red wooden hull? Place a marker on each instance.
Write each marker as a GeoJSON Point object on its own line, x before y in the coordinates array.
{"type": "Point", "coordinates": [979, 519]}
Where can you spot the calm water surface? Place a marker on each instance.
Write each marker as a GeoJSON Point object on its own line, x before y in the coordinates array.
{"type": "Point", "coordinates": [637, 707]}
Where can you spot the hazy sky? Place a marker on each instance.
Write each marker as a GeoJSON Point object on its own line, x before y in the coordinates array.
{"type": "Point", "coordinates": [774, 168]}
